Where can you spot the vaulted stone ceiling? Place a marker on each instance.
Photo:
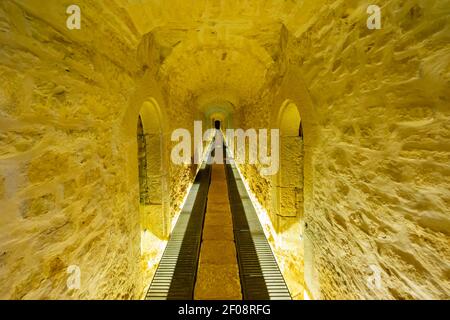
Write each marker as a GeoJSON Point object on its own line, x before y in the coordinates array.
{"type": "Point", "coordinates": [210, 60]}
{"type": "Point", "coordinates": [216, 51]}
{"type": "Point", "coordinates": [148, 14]}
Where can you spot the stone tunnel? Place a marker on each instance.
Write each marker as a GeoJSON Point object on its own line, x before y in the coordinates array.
{"type": "Point", "coordinates": [92, 112]}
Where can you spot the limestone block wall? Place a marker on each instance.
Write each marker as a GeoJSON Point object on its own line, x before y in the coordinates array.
{"type": "Point", "coordinates": [381, 169]}
{"type": "Point", "coordinates": [290, 178]}
{"type": "Point", "coordinates": [65, 196]}
{"type": "Point", "coordinates": [181, 116]}
{"type": "Point", "coordinates": [380, 161]}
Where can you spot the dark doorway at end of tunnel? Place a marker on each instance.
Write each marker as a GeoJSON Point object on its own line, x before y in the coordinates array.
{"type": "Point", "coordinates": [217, 124]}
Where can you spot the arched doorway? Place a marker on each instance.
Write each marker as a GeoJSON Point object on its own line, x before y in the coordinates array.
{"type": "Point", "coordinates": [288, 198]}
{"type": "Point", "coordinates": [153, 194]}
{"type": "Point", "coordinates": [290, 175]}
{"type": "Point", "coordinates": [150, 150]}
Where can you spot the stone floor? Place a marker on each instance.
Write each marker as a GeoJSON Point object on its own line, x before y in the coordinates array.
{"type": "Point", "coordinates": [218, 272]}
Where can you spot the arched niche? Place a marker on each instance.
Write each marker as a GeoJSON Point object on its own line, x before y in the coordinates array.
{"type": "Point", "coordinates": [288, 182]}
{"type": "Point", "coordinates": [288, 197]}
{"type": "Point", "coordinates": [293, 89]}
{"type": "Point", "coordinates": [153, 205]}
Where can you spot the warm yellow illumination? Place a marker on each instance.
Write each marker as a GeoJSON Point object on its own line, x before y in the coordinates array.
{"type": "Point", "coordinates": [152, 249]}
{"type": "Point", "coordinates": [360, 206]}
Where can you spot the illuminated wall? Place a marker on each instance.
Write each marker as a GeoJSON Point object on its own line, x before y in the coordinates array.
{"type": "Point", "coordinates": [371, 187]}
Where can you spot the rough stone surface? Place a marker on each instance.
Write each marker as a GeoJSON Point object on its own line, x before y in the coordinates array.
{"type": "Point", "coordinates": [218, 271]}
{"type": "Point", "coordinates": [374, 107]}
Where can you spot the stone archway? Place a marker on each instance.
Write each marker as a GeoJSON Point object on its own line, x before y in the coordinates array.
{"type": "Point", "coordinates": [153, 182]}
{"type": "Point", "coordinates": [287, 195]}
{"type": "Point", "coordinates": [289, 180]}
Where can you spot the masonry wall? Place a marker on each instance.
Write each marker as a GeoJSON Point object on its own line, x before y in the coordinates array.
{"type": "Point", "coordinates": [66, 197]}
{"type": "Point", "coordinates": [383, 118]}
{"type": "Point", "coordinates": [380, 187]}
